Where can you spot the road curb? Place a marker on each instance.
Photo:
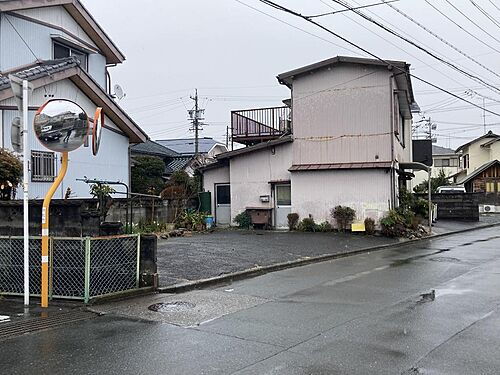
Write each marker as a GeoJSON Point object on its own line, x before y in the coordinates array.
{"type": "Point", "coordinates": [261, 270]}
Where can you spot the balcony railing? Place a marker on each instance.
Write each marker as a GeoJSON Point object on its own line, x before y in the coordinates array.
{"type": "Point", "coordinates": [252, 126]}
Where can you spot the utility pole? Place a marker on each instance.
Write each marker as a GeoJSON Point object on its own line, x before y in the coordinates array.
{"type": "Point", "coordinates": [227, 137]}
{"type": "Point", "coordinates": [196, 117]}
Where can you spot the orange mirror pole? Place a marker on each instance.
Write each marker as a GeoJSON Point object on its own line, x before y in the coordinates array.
{"type": "Point", "coordinates": [45, 229]}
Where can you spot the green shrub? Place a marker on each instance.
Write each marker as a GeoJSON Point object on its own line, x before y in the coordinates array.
{"type": "Point", "coordinates": [191, 220]}
{"type": "Point", "coordinates": [243, 220]}
{"type": "Point", "coordinates": [293, 220]}
{"type": "Point", "coordinates": [394, 224]}
{"type": "Point", "coordinates": [344, 216]}
{"type": "Point", "coordinates": [307, 225]}
{"type": "Point", "coordinates": [369, 226]}
{"type": "Point", "coordinates": [325, 226]}
{"type": "Point", "coordinates": [11, 174]}
{"type": "Point", "coordinates": [145, 227]}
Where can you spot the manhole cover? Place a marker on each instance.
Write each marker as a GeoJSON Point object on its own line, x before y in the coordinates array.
{"type": "Point", "coordinates": [171, 306]}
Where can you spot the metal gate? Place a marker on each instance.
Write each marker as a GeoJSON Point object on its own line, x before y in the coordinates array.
{"type": "Point", "coordinates": [79, 267]}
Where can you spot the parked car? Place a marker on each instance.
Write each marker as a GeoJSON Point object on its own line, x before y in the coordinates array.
{"type": "Point", "coordinates": [451, 189]}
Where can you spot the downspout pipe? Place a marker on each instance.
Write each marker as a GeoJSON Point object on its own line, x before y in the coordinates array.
{"type": "Point", "coordinates": [393, 187]}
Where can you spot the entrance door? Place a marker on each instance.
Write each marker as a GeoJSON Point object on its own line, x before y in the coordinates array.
{"type": "Point", "coordinates": [283, 205]}
{"type": "Point", "coordinates": [223, 204]}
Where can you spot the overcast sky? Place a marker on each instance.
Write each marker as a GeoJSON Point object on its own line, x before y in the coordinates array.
{"type": "Point", "coordinates": [232, 54]}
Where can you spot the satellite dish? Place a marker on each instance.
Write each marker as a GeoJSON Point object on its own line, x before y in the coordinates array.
{"type": "Point", "coordinates": [61, 125]}
{"type": "Point", "coordinates": [16, 135]}
{"type": "Point", "coordinates": [119, 94]}
{"type": "Point", "coordinates": [97, 130]}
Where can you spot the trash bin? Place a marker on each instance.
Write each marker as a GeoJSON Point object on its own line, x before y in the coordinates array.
{"type": "Point", "coordinates": [209, 221]}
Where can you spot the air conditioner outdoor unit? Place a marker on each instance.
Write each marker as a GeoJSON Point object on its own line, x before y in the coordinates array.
{"type": "Point", "coordinates": [489, 208]}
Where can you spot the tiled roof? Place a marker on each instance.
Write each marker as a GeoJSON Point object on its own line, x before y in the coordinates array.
{"type": "Point", "coordinates": [179, 163]}
{"type": "Point", "coordinates": [152, 148]}
{"type": "Point", "coordinates": [185, 146]}
{"type": "Point", "coordinates": [478, 171]}
{"type": "Point", "coordinates": [438, 150]}
{"type": "Point", "coordinates": [43, 69]}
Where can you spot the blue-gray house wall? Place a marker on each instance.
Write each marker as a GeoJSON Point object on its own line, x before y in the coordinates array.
{"type": "Point", "coordinates": [112, 161]}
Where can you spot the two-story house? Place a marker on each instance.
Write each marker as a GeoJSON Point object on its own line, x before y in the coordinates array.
{"type": "Point", "coordinates": [342, 139]}
{"type": "Point", "coordinates": [444, 160]}
{"type": "Point", "coordinates": [61, 50]}
{"type": "Point", "coordinates": [481, 166]}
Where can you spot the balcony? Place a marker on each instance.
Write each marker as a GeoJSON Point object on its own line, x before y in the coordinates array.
{"type": "Point", "coordinates": [252, 126]}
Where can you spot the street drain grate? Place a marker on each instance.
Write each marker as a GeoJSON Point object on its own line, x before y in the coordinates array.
{"type": "Point", "coordinates": [16, 328]}
{"type": "Point", "coordinates": [174, 306]}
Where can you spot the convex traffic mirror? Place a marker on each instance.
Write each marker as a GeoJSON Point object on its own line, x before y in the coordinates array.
{"type": "Point", "coordinates": [61, 125]}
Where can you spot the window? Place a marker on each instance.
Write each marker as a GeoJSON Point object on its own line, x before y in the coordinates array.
{"type": "Point", "coordinates": [454, 162]}
{"type": "Point", "coordinates": [465, 160]}
{"type": "Point", "coordinates": [283, 195]}
{"type": "Point", "coordinates": [43, 166]}
{"type": "Point", "coordinates": [223, 194]}
{"type": "Point", "coordinates": [61, 51]}
{"type": "Point", "coordinates": [490, 187]}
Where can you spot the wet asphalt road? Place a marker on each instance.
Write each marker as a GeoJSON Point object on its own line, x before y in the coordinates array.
{"type": "Point", "coordinates": [357, 315]}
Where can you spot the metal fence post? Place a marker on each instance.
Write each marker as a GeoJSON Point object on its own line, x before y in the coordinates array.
{"type": "Point", "coordinates": [86, 293]}
{"type": "Point", "coordinates": [138, 260]}
{"type": "Point", "coordinates": [51, 266]}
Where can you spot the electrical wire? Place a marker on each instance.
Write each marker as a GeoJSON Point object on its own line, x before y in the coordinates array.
{"type": "Point", "coordinates": [494, 21]}
{"type": "Point", "coordinates": [471, 20]}
{"type": "Point", "coordinates": [461, 27]}
{"type": "Point", "coordinates": [492, 3]}
{"type": "Point", "coordinates": [441, 38]}
{"type": "Point", "coordinates": [395, 45]}
{"type": "Point", "coordinates": [297, 28]}
{"type": "Point", "coordinates": [416, 45]}
{"type": "Point", "coordinates": [277, 6]}
{"type": "Point", "coordinates": [346, 10]}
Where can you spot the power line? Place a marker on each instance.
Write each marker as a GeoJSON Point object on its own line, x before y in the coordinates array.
{"type": "Point", "coordinates": [492, 3]}
{"type": "Point", "coordinates": [394, 44]}
{"type": "Point", "coordinates": [461, 27]}
{"type": "Point", "coordinates": [416, 45]}
{"type": "Point", "coordinates": [441, 38]}
{"type": "Point", "coordinates": [346, 10]}
{"type": "Point", "coordinates": [471, 20]}
{"type": "Point", "coordinates": [297, 28]}
{"type": "Point", "coordinates": [494, 21]}
{"type": "Point", "coordinates": [279, 7]}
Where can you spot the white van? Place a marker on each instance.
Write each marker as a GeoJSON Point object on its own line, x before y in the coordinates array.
{"type": "Point", "coordinates": [451, 189]}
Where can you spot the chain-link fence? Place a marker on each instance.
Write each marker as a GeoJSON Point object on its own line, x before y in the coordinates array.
{"type": "Point", "coordinates": [79, 268]}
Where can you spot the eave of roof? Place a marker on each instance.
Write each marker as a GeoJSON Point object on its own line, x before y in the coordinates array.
{"type": "Point", "coordinates": [81, 15]}
{"type": "Point", "coordinates": [288, 77]}
{"type": "Point", "coordinates": [478, 171]}
{"type": "Point", "coordinates": [330, 166]}
{"type": "Point", "coordinates": [47, 72]}
{"type": "Point", "coordinates": [490, 134]}
{"type": "Point", "coordinates": [260, 146]}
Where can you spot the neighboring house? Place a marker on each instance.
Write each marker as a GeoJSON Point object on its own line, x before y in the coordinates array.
{"type": "Point", "coordinates": [478, 152]}
{"type": "Point", "coordinates": [151, 148]}
{"type": "Point", "coordinates": [208, 149]}
{"type": "Point", "coordinates": [485, 179]}
{"type": "Point", "coordinates": [345, 139]}
{"type": "Point", "coordinates": [443, 159]}
{"type": "Point", "coordinates": [65, 54]}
